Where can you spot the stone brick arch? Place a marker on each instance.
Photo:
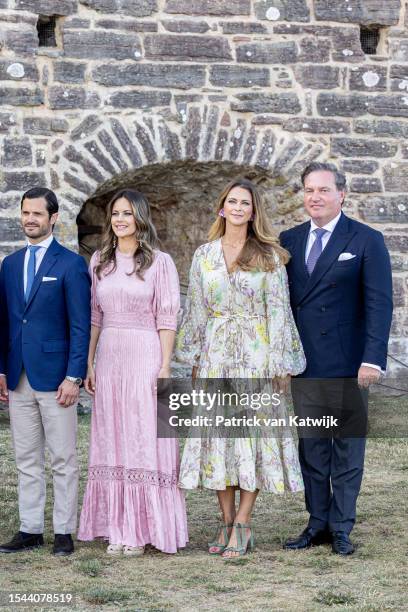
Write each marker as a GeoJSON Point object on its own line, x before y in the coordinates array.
{"type": "Point", "coordinates": [181, 162]}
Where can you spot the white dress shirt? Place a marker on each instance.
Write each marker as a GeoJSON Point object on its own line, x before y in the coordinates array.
{"type": "Point", "coordinates": [38, 256]}
{"type": "Point", "coordinates": [329, 227]}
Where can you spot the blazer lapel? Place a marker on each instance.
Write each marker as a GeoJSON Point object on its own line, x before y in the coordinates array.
{"type": "Point", "coordinates": [20, 274]}
{"type": "Point", "coordinates": [48, 261]}
{"type": "Point", "coordinates": [299, 265]}
{"type": "Point", "coordinates": [338, 240]}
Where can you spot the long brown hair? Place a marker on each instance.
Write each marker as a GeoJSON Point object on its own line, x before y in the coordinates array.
{"type": "Point", "coordinates": [261, 249]}
{"type": "Point", "coordinates": [145, 235]}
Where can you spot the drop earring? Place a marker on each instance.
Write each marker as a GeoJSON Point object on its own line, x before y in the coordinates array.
{"type": "Point", "coordinates": [221, 213]}
{"type": "Point", "coordinates": [252, 217]}
{"type": "Point", "coordinates": [115, 242]}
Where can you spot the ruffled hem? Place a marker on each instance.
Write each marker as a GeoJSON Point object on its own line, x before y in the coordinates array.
{"type": "Point", "coordinates": [134, 514]}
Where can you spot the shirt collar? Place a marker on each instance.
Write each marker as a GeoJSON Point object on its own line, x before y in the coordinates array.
{"type": "Point", "coordinates": [329, 227]}
{"type": "Point", "coordinates": [44, 244]}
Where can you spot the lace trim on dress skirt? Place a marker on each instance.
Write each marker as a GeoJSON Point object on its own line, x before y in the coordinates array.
{"type": "Point", "coordinates": [134, 476]}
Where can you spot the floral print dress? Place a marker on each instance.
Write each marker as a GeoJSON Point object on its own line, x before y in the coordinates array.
{"type": "Point", "coordinates": [239, 325]}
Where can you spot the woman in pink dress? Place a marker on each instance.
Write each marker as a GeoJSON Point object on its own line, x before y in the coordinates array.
{"type": "Point", "coordinates": [131, 496]}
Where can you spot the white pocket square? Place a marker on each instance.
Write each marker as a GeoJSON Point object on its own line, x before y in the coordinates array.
{"type": "Point", "coordinates": [48, 278]}
{"type": "Point", "coordinates": [345, 256]}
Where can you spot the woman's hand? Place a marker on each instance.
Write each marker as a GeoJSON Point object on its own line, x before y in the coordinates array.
{"type": "Point", "coordinates": [165, 372]}
{"type": "Point", "coordinates": [89, 382]}
{"type": "Point", "coordinates": [281, 384]}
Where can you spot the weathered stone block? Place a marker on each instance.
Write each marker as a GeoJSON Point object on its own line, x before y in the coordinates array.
{"type": "Point", "coordinates": [268, 53]}
{"type": "Point", "coordinates": [399, 77]}
{"type": "Point", "coordinates": [76, 23]}
{"type": "Point", "coordinates": [359, 166]}
{"type": "Point", "coordinates": [359, 147]}
{"type": "Point", "coordinates": [314, 50]}
{"type": "Point", "coordinates": [7, 121]}
{"type": "Point", "coordinates": [384, 209]}
{"type": "Point", "coordinates": [133, 25]}
{"type": "Point", "coordinates": [21, 96]}
{"type": "Point", "coordinates": [208, 7]}
{"type": "Point", "coordinates": [72, 97]}
{"type": "Point", "coordinates": [315, 76]}
{"type": "Point", "coordinates": [267, 103]}
{"type": "Point", "coordinates": [359, 11]}
{"type": "Point", "coordinates": [21, 181]}
{"type": "Point", "coordinates": [399, 50]}
{"type": "Point", "coordinates": [397, 243]}
{"type": "Point", "coordinates": [14, 70]}
{"type": "Point", "coordinates": [366, 185]}
{"type": "Point", "coordinates": [368, 78]}
{"type": "Point", "coordinates": [17, 152]}
{"type": "Point", "coordinates": [11, 231]}
{"type": "Point", "coordinates": [283, 10]}
{"type": "Point", "coordinates": [196, 27]}
{"type": "Point", "coordinates": [393, 106]}
{"type": "Point", "coordinates": [97, 45]}
{"type": "Point", "coordinates": [44, 126]}
{"type": "Point", "coordinates": [69, 72]}
{"type": "Point", "coordinates": [156, 75]}
{"type": "Point", "coordinates": [381, 128]}
{"type": "Point", "coordinates": [140, 99]}
{"type": "Point", "coordinates": [239, 76]}
{"type": "Point", "coordinates": [185, 48]}
{"type": "Point", "coordinates": [22, 42]}
{"type": "Point", "coordinates": [346, 45]}
{"type": "Point", "coordinates": [396, 178]}
{"type": "Point", "coordinates": [48, 7]}
{"type": "Point", "coordinates": [136, 8]}
{"type": "Point", "coordinates": [330, 105]}
{"type": "Point", "coordinates": [87, 127]}
{"type": "Point", "coordinates": [316, 126]}
{"type": "Point", "coordinates": [245, 27]}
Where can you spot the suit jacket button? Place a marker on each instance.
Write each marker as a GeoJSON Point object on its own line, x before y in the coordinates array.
{"type": "Point", "coordinates": [323, 309]}
{"type": "Point", "coordinates": [24, 320]}
{"type": "Point", "coordinates": [333, 284]}
{"type": "Point", "coordinates": [298, 308]}
{"type": "Point", "coordinates": [323, 333]}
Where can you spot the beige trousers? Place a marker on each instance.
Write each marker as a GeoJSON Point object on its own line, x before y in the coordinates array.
{"type": "Point", "coordinates": [38, 421]}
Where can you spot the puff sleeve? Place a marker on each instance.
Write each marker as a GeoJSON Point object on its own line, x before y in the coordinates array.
{"type": "Point", "coordinates": [96, 310]}
{"type": "Point", "coordinates": [166, 303]}
{"type": "Point", "coordinates": [191, 335]}
{"type": "Point", "coordinates": [286, 354]}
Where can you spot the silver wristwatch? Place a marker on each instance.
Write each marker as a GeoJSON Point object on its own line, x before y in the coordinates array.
{"type": "Point", "coordinates": [73, 379]}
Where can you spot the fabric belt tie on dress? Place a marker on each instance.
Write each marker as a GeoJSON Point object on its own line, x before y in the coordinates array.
{"type": "Point", "coordinates": [129, 320]}
{"type": "Point", "coordinates": [234, 332]}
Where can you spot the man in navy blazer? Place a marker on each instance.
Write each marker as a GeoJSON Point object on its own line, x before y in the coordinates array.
{"type": "Point", "coordinates": [44, 334]}
{"type": "Point", "coordinates": [341, 295]}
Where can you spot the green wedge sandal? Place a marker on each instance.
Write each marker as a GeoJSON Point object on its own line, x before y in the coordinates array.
{"type": "Point", "coordinates": [240, 548]}
{"type": "Point", "coordinates": [222, 529]}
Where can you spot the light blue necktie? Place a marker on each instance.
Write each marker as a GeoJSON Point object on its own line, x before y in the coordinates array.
{"type": "Point", "coordinates": [31, 270]}
{"type": "Point", "coordinates": [316, 250]}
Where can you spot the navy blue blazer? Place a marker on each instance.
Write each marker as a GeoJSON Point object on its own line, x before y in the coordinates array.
{"type": "Point", "coordinates": [343, 310]}
{"type": "Point", "coordinates": [48, 336]}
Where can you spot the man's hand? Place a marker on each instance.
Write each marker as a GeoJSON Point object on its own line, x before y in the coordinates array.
{"type": "Point", "coordinates": [3, 388]}
{"type": "Point", "coordinates": [368, 376]}
{"type": "Point", "coordinates": [67, 394]}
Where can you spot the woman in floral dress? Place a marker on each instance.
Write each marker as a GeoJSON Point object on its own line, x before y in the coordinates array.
{"type": "Point", "coordinates": [131, 498]}
{"type": "Point", "coordinates": [237, 323]}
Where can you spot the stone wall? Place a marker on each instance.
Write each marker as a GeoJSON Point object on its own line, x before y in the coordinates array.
{"type": "Point", "coordinates": [177, 96]}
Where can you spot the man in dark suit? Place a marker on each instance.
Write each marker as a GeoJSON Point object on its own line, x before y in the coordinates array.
{"type": "Point", "coordinates": [341, 296]}
{"type": "Point", "coordinates": [44, 338]}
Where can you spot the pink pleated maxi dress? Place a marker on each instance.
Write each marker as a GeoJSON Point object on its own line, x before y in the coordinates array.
{"type": "Point", "coordinates": [131, 496]}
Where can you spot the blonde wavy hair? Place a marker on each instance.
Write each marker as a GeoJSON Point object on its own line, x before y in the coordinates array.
{"type": "Point", "coordinates": [145, 235]}
{"type": "Point", "coordinates": [261, 250]}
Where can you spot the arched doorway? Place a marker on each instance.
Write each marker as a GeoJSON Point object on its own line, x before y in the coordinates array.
{"type": "Point", "coordinates": [182, 195]}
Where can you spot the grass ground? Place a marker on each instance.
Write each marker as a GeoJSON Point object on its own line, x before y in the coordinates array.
{"type": "Point", "coordinates": [375, 578]}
